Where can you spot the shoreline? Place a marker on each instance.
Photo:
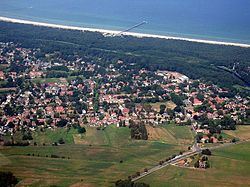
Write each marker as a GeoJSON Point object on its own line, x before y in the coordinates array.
{"type": "Point", "coordinates": [106, 32]}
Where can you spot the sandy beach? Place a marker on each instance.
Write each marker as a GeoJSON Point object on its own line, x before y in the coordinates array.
{"type": "Point", "coordinates": [113, 32]}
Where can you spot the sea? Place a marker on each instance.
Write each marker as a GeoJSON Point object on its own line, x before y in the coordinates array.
{"type": "Point", "coordinates": [218, 20]}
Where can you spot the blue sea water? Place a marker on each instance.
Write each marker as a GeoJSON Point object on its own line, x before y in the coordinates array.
{"type": "Point", "coordinates": [221, 20]}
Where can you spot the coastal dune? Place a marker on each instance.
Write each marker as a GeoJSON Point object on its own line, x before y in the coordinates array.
{"type": "Point", "coordinates": [116, 33]}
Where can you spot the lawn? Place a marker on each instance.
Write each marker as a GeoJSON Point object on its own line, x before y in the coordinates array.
{"type": "Point", "coordinates": [91, 160]}
{"type": "Point", "coordinates": [54, 80]}
{"type": "Point", "coordinates": [230, 166]}
{"type": "Point", "coordinates": [169, 104]}
{"type": "Point", "coordinates": [45, 80]}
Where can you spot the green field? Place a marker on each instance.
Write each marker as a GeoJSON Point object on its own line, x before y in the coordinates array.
{"type": "Point", "coordinates": [180, 132]}
{"type": "Point", "coordinates": [230, 166]}
{"type": "Point", "coordinates": [93, 159]}
{"type": "Point", "coordinates": [242, 132]}
{"type": "Point", "coordinates": [45, 80]}
{"type": "Point", "coordinates": [53, 80]}
{"type": "Point", "coordinates": [89, 160]}
{"type": "Point", "coordinates": [169, 105]}
{"type": "Point", "coordinates": [171, 133]}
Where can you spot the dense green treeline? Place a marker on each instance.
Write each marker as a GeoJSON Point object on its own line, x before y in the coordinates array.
{"type": "Point", "coordinates": [196, 60]}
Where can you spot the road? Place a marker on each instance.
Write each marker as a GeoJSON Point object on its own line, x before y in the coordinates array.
{"type": "Point", "coordinates": [165, 164]}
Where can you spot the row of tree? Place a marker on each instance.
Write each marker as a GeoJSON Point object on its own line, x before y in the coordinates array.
{"type": "Point", "coordinates": [138, 131]}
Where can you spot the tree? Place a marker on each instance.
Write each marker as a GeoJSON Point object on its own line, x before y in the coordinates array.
{"type": "Point", "coordinates": [196, 164]}
{"type": "Point", "coordinates": [206, 152]}
{"type": "Point", "coordinates": [177, 109]}
{"type": "Point", "coordinates": [62, 123]}
{"type": "Point", "coordinates": [138, 131]}
{"type": "Point", "coordinates": [129, 183]}
{"type": "Point", "coordinates": [27, 136]}
{"type": "Point", "coordinates": [61, 141]}
{"type": "Point", "coordinates": [228, 123]}
{"type": "Point", "coordinates": [200, 97]}
{"type": "Point", "coordinates": [170, 113]}
{"type": "Point", "coordinates": [248, 113]}
{"type": "Point", "coordinates": [81, 130]}
{"type": "Point", "coordinates": [176, 99]}
{"type": "Point", "coordinates": [207, 165]}
{"type": "Point", "coordinates": [220, 138]}
{"type": "Point", "coordinates": [9, 110]}
{"type": "Point", "coordinates": [162, 109]}
{"type": "Point", "coordinates": [234, 140]}
{"type": "Point", "coordinates": [7, 179]}
{"type": "Point", "coordinates": [220, 112]}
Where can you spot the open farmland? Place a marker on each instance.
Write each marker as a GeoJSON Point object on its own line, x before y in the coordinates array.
{"type": "Point", "coordinates": [98, 158]}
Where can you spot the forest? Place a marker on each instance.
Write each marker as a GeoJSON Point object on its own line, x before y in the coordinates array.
{"type": "Point", "coordinates": [196, 60]}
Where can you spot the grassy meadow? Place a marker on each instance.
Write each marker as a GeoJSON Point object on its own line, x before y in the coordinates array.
{"type": "Point", "coordinates": [171, 133]}
{"type": "Point", "coordinates": [242, 132]}
{"type": "Point", "coordinates": [97, 158]}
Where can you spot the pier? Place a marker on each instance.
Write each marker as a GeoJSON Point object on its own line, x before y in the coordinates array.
{"type": "Point", "coordinates": [133, 27]}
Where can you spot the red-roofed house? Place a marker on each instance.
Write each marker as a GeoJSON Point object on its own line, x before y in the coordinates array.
{"type": "Point", "coordinates": [60, 109]}
{"type": "Point", "coordinates": [214, 140]}
{"type": "Point", "coordinates": [70, 93]}
{"type": "Point", "coordinates": [218, 99]}
{"type": "Point", "coordinates": [197, 102]}
{"type": "Point", "coordinates": [205, 139]}
{"type": "Point", "coordinates": [2, 75]}
{"type": "Point", "coordinates": [125, 111]}
{"type": "Point", "coordinates": [35, 74]}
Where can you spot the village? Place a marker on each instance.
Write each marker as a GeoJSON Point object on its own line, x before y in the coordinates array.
{"type": "Point", "coordinates": [49, 91]}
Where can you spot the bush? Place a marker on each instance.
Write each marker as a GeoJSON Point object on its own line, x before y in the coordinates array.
{"type": "Point", "coordinates": [62, 123]}
{"type": "Point", "coordinates": [81, 130]}
{"type": "Point", "coordinates": [61, 141]}
{"type": "Point", "coordinates": [234, 140]}
{"type": "Point", "coordinates": [129, 183]}
{"type": "Point", "coordinates": [196, 164]}
{"type": "Point", "coordinates": [54, 144]}
{"type": "Point", "coordinates": [206, 152]}
{"type": "Point", "coordinates": [27, 136]}
{"type": "Point", "coordinates": [55, 156]}
{"type": "Point", "coordinates": [22, 143]}
{"type": "Point", "coordinates": [7, 179]}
